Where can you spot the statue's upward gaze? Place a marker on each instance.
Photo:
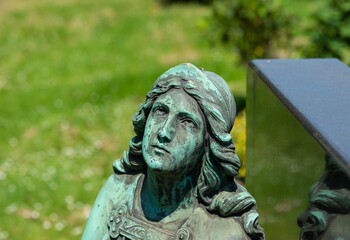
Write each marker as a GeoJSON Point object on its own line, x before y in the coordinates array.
{"type": "Point", "coordinates": [176, 181]}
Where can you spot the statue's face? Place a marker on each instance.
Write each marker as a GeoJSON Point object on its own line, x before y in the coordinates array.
{"type": "Point", "coordinates": [173, 140]}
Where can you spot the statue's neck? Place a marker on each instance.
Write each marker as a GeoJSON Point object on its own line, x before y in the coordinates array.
{"type": "Point", "coordinates": [161, 195]}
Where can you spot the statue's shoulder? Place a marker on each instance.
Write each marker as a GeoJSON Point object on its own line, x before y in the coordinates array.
{"type": "Point", "coordinates": [119, 188]}
{"type": "Point", "coordinates": [211, 226]}
{"type": "Point", "coordinates": [119, 182]}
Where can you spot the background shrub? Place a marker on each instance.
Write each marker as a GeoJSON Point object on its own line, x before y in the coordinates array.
{"type": "Point", "coordinates": [254, 28]}
{"type": "Point", "coordinates": [330, 34]}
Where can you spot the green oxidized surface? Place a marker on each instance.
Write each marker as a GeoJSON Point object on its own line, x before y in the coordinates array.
{"type": "Point", "coordinates": [176, 181]}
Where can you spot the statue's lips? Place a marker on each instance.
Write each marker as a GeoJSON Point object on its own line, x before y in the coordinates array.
{"type": "Point", "coordinates": [162, 148]}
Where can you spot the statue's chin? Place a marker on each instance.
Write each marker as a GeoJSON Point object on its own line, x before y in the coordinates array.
{"type": "Point", "coordinates": [154, 164]}
{"type": "Point", "coordinates": [158, 166]}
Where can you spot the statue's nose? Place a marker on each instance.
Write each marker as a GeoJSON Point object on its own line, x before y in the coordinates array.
{"type": "Point", "coordinates": [165, 133]}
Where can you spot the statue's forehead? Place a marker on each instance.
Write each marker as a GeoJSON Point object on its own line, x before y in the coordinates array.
{"type": "Point", "coordinates": [178, 100]}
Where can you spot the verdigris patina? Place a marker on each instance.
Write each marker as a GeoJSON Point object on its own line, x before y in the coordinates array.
{"type": "Point", "coordinates": [176, 181]}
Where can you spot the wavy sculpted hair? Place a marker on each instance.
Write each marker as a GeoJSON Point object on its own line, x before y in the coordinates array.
{"type": "Point", "coordinates": [216, 187]}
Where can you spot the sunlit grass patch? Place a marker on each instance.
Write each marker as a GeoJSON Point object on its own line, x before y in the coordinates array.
{"type": "Point", "coordinates": [54, 187]}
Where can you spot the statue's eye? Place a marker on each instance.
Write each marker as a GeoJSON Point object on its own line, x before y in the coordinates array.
{"type": "Point", "coordinates": [159, 111]}
{"type": "Point", "coordinates": [187, 122]}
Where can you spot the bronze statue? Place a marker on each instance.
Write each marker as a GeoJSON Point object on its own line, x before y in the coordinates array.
{"type": "Point", "coordinates": [176, 181]}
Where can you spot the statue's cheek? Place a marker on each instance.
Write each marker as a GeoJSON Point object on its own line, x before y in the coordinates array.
{"type": "Point", "coordinates": [150, 129]}
{"type": "Point", "coordinates": [192, 146]}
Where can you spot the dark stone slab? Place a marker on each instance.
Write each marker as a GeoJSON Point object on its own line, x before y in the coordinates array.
{"type": "Point", "coordinates": [317, 93]}
{"type": "Point", "coordinates": [298, 115]}
{"type": "Point", "coordinates": [283, 161]}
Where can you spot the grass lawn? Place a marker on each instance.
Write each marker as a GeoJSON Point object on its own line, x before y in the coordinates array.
{"type": "Point", "coordinates": [72, 74]}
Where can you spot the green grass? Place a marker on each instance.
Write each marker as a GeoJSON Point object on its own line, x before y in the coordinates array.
{"type": "Point", "coordinates": [72, 74]}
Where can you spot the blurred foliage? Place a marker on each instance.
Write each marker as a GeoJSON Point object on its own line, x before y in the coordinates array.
{"type": "Point", "coordinates": [253, 28]}
{"type": "Point", "coordinates": [330, 33]}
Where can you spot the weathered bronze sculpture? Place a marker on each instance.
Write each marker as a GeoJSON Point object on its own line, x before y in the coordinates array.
{"type": "Point", "coordinates": [176, 181]}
